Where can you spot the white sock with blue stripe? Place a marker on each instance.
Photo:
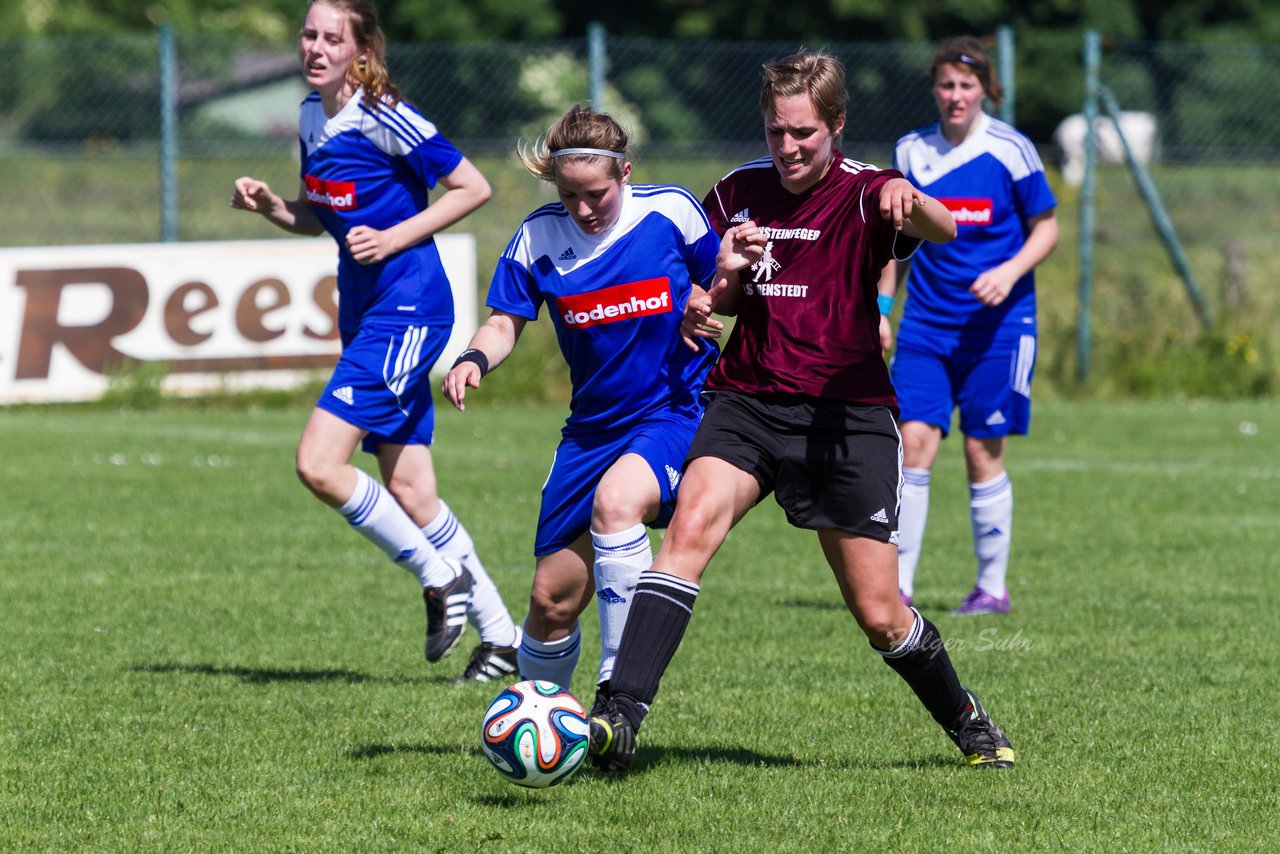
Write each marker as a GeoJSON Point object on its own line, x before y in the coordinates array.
{"type": "Point", "coordinates": [991, 519]}
{"type": "Point", "coordinates": [620, 558]}
{"type": "Point", "coordinates": [375, 514]}
{"type": "Point", "coordinates": [486, 610]}
{"type": "Point", "coordinates": [550, 661]}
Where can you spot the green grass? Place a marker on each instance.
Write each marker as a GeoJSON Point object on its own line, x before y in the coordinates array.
{"type": "Point", "coordinates": [197, 656]}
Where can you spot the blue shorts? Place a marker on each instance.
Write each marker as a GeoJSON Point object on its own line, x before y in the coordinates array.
{"type": "Point", "coordinates": [382, 383]}
{"type": "Point", "coordinates": [581, 461]}
{"type": "Point", "coordinates": [985, 373]}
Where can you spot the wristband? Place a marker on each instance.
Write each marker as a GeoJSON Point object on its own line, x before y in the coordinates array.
{"type": "Point", "coordinates": [473, 355]}
{"type": "Point", "coordinates": [885, 302]}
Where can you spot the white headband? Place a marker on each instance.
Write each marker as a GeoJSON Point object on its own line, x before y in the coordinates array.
{"type": "Point", "coordinates": [597, 151]}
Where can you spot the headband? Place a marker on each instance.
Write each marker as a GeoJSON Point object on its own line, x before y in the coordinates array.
{"type": "Point", "coordinates": [597, 151]}
{"type": "Point", "coordinates": [966, 59]}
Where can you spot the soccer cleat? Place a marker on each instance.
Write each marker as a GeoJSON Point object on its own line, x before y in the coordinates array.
{"type": "Point", "coordinates": [980, 601]}
{"type": "Point", "coordinates": [612, 743]}
{"type": "Point", "coordinates": [489, 662]}
{"type": "Point", "coordinates": [446, 614]}
{"type": "Point", "coordinates": [601, 701]}
{"type": "Point", "coordinates": [983, 743]}
{"type": "Point", "coordinates": [905, 597]}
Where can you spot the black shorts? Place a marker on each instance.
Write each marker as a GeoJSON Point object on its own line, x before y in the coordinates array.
{"type": "Point", "coordinates": [830, 464]}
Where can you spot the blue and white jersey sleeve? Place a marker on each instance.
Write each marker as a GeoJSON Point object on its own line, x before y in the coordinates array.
{"type": "Point", "coordinates": [616, 300]}
{"type": "Point", "coordinates": [993, 183]}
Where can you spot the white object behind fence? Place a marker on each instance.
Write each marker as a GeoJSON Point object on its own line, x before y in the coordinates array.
{"type": "Point", "coordinates": [1139, 129]}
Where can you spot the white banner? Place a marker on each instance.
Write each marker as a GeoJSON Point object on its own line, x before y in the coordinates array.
{"type": "Point", "coordinates": [217, 314]}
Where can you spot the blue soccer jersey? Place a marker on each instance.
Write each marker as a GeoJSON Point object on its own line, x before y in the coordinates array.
{"type": "Point", "coordinates": [617, 300]}
{"type": "Point", "coordinates": [992, 183]}
{"type": "Point", "coordinates": [373, 166]}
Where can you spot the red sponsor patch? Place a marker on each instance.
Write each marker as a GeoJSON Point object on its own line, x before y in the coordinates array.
{"type": "Point", "coordinates": [969, 211]}
{"type": "Point", "coordinates": [334, 195]}
{"type": "Point", "coordinates": [620, 302]}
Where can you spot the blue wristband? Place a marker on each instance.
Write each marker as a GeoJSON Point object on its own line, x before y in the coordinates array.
{"type": "Point", "coordinates": [886, 304]}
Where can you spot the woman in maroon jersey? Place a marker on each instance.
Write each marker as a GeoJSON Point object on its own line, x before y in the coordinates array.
{"type": "Point", "coordinates": [802, 405]}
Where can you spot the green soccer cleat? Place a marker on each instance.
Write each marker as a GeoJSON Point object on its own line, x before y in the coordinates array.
{"type": "Point", "coordinates": [612, 743]}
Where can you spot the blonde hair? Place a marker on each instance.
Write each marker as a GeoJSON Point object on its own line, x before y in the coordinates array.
{"type": "Point", "coordinates": [968, 53]}
{"type": "Point", "coordinates": [814, 73]}
{"type": "Point", "coordinates": [580, 127]}
{"type": "Point", "coordinates": [371, 71]}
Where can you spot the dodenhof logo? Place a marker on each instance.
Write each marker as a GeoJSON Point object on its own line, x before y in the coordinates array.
{"type": "Point", "coordinates": [620, 302]}
{"type": "Point", "coordinates": [969, 211]}
{"type": "Point", "coordinates": [334, 195]}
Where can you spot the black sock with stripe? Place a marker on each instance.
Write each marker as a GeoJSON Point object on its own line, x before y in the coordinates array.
{"type": "Point", "coordinates": [922, 661]}
{"type": "Point", "coordinates": [655, 625]}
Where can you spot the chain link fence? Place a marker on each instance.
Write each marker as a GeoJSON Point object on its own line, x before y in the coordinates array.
{"type": "Point", "coordinates": [82, 142]}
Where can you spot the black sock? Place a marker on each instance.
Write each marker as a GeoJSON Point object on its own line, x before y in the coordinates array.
{"type": "Point", "coordinates": [923, 662]}
{"type": "Point", "coordinates": [660, 612]}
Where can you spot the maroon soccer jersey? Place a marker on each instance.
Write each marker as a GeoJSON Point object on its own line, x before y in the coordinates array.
{"type": "Point", "coordinates": [808, 322]}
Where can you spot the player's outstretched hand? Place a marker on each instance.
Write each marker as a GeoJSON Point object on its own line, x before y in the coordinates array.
{"type": "Point", "coordinates": [697, 321]}
{"type": "Point", "coordinates": [741, 246]}
{"type": "Point", "coordinates": [252, 195]}
{"type": "Point", "coordinates": [898, 198]}
{"type": "Point", "coordinates": [458, 380]}
{"type": "Point", "coordinates": [369, 245]}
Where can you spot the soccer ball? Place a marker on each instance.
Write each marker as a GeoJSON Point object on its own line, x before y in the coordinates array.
{"type": "Point", "coordinates": [535, 734]}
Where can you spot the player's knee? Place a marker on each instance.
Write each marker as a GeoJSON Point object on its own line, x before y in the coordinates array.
{"type": "Point", "coordinates": [550, 611]}
{"type": "Point", "coordinates": [880, 621]}
{"type": "Point", "coordinates": [313, 475]}
{"type": "Point", "coordinates": [616, 508]}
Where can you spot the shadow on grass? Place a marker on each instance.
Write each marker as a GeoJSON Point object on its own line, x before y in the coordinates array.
{"type": "Point", "coordinates": [826, 603]}
{"type": "Point", "coordinates": [263, 675]}
{"type": "Point", "coordinates": [373, 751]}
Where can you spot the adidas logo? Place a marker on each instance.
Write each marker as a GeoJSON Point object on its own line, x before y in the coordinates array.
{"type": "Point", "coordinates": [995, 418]}
{"type": "Point", "coordinates": [880, 516]}
{"type": "Point", "coordinates": [610, 596]}
{"type": "Point", "coordinates": [345, 395]}
{"type": "Point", "coordinates": [673, 476]}
{"type": "Point", "coordinates": [568, 255]}
{"type": "Point", "coordinates": [741, 216]}
{"type": "Point", "coordinates": [994, 532]}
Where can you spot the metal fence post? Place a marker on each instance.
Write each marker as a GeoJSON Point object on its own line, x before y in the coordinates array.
{"type": "Point", "coordinates": [595, 65]}
{"type": "Point", "coordinates": [1092, 60]}
{"type": "Point", "coordinates": [168, 135]}
{"type": "Point", "coordinates": [1008, 72]}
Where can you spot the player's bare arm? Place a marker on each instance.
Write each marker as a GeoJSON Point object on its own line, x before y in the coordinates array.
{"type": "Point", "coordinates": [993, 286]}
{"type": "Point", "coordinates": [294, 216]}
{"type": "Point", "coordinates": [489, 347]}
{"type": "Point", "coordinates": [741, 246]}
{"type": "Point", "coordinates": [887, 287]}
{"type": "Point", "coordinates": [465, 190]}
{"type": "Point", "coordinates": [914, 213]}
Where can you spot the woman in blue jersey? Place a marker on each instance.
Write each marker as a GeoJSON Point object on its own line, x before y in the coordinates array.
{"type": "Point", "coordinates": [614, 265]}
{"type": "Point", "coordinates": [369, 159]}
{"type": "Point", "coordinates": [967, 338]}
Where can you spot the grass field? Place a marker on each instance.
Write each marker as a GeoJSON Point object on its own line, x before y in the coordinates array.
{"type": "Point", "coordinates": [197, 656]}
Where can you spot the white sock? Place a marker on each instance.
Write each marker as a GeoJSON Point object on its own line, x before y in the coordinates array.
{"type": "Point", "coordinates": [376, 515]}
{"type": "Point", "coordinates": [620, 558]}
{"type": "Point", "coordinates": [912, 516]}
{"type": "Point", "coordinates": [551, 661]}
{"type": "Point", "coordinates": [991, 516]}
{"type": "Point", "coordinates": [485, 609]}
